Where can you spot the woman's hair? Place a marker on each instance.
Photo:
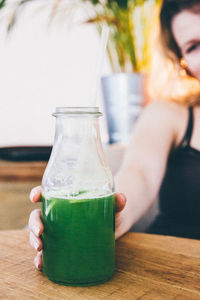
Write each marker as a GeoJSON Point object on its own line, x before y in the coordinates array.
{"type": "Point", "coordinates": [171, 8]}
{"type": "Point", "coordinates": [175, 82]}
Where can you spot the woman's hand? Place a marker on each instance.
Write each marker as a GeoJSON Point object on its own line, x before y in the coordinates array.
{"type": "Point", "coordinates": [36, 227]}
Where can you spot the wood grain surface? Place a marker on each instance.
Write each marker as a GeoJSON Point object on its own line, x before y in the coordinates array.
{"type": "Point", "coordinates": [16, 181]}
{"type": "Point", "coordinates": [15, 206]}
{"type": "Point", "coordinates": [21, 171]}
{"type": "Point", "coordinates": [148, 267]}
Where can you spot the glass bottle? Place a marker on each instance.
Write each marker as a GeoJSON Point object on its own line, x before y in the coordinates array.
{"type": "Point", "coordinates": [78, 202]}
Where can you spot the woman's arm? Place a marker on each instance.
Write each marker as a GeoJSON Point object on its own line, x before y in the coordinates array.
{"type": "Point", "coordinates": [144, 164]}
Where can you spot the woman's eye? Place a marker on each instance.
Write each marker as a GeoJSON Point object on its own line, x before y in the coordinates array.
{"type": "Point", "coordinates": [193, 47]}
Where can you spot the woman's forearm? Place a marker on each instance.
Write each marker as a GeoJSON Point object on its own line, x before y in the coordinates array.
{"type": "Point", "coordinates": [140, 196]}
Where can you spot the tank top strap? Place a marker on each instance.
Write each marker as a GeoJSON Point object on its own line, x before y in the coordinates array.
{"type": "Point", "coordinates": [188, 134]}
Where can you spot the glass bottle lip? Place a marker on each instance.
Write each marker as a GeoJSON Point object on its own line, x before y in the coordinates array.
{"type": "Point", "coordinates": [77, 111]}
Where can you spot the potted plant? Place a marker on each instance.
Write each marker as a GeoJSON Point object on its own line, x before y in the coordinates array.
{"type": "Point", "coordinates": [132, 24]}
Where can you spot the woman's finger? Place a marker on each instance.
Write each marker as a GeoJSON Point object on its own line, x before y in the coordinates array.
{"type": "Point", "coordinates": [35, 194]}
{"type": "Point", "coordinates": [35, 223]}
{"type": "Point", "coordinates": [120, 202]}
{"type": "Point", "coordinates": [35, 242]}
{"type": "Point", "coordinates": [38, 260]}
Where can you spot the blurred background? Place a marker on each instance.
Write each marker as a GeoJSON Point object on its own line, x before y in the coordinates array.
{"type": "Point", "coordinates": [43, 67]}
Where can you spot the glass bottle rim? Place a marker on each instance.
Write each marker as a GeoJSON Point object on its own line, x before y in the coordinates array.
{"type": "Point", "coordinates": [93, 110]}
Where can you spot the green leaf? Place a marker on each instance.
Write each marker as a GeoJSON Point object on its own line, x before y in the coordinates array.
{"type": "Point", "coordinates": [2, 3]}
{"type": "Point", "coordinates": [93, 1]}
{"type": "Point", "coordinates": [121, 3]}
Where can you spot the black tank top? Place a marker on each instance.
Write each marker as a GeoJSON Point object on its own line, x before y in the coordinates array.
{"type": "Point", "coordinates": [179, 197]}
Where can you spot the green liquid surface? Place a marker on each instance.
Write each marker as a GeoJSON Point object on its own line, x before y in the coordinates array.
{"type": "Point", "coordinates": [78, 240]}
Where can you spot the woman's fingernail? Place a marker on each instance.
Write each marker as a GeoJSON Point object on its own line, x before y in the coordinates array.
{"type": "Point", "coordinates": [36, 230]}
{"type": "Point", "coordinates": [122, 196]}
{"type": "Point", "coordinates": [37, 264]}
{"type": "Point", "coordinates": [32, 194]}
{"type": "Point", "coordinates": [36, 245]}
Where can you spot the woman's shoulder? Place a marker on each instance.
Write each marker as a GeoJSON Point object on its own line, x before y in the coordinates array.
{"type": "Point", "coordinates": [166, 107]}
{"type": "Point", "coordinates": [168, 114]}
{"type": "Point", "coordinates": [166, 111]}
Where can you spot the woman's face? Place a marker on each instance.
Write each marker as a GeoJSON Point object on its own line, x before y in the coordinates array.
{"type": "Point", "coordinates": [186, 31]}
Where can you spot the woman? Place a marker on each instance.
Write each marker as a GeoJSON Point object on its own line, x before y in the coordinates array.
{"type": "Point", "coordinates": [164, 153]}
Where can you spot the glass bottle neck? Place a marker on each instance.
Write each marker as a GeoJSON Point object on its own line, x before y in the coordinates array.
{"type": "Point", "coordinates": [77, 128]}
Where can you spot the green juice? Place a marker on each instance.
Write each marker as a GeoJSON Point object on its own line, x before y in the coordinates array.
{"type": "Point", "coordinates": [78, 239]}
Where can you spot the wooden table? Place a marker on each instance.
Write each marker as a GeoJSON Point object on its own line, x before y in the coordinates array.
{"type": "Point", "coordinates": [21, 171]}
{"type": "Point", "coordinates": [16, 181]}
{"type": "Point", "coordinates": [148, 267]}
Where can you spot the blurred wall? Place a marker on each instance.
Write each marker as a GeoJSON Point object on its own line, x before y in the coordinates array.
{"type": "Point", "coordinates": [43, 67]}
